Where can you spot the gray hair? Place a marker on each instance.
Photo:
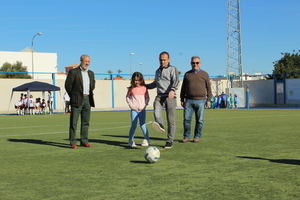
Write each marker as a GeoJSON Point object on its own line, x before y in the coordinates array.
{"type": "Point", "coordinates": [83, 56]}
{"type": "Point", "coordinates": [194, 57]}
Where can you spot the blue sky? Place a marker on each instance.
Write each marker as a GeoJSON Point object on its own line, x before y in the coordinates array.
{"type": "Point", "coordinates": [109, 30]}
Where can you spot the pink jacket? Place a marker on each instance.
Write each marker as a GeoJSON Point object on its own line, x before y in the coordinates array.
{"type": "Point", "coordinates": [137, 98]}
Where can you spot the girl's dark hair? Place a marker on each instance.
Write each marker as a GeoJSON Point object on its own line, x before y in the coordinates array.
{"type": "Point", "coordinates": [136, 75]}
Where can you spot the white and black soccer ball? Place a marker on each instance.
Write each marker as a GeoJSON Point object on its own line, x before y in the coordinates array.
{"type": "Point", "coordinates": [152, 154]}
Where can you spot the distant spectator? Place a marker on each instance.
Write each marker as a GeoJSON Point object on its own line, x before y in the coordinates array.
{"type": "Point", "coordinates": [43, 106]}
{"type": "Point", "coordinates": [50, 102]}
{"type": "Point", "coordinates": [216, 104]}
{"type": "Point", "coordinates": [38, 109]}
{"type": "Point", "coordinates": [25, 104]}
{"type": "Point", "coordinates": [230, 101]}
{"type": "Point", "coordinates": [235, 100]}
{"type": "Point", "coordinates": [223, 100]}
{"type": "Point", "coordinates": [30, 103]}
{"type": "Point", "coordinates": [212, 102]}
{"type": "Point", "coordinates": [67, 102]}
{"type": "Point", "coordinates": [19, 106]}
{"type": "Point", "coordinates": [219, 101]}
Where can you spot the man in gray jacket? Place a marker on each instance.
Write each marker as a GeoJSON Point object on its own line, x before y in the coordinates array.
{"type": "Point", "coordinates": [166, 82]}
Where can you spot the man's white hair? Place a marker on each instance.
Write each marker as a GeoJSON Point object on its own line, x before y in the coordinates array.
{"type": "Point", "coordinates": [83, 56]}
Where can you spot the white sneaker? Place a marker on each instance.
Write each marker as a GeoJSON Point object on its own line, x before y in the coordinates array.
{"type": "Point", "coordinates": [132, 143]}
{"type": "Point", "coordinates": [156, 126]}
{"type": "Point", "coordinates": [145, 143]}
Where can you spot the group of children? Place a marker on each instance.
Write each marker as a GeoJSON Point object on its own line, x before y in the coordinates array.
{"type": "Point", "coordinates": [224, 101]}
{"type": "Point", "coordinates": [29, 106]}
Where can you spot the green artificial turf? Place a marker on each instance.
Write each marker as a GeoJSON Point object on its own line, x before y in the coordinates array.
{"type": "Point", "coordinates": [244, 154]}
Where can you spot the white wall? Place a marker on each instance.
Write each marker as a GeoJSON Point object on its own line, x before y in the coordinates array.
{"type": "Point", "coordinates": [102, 93]}
{"type": "Point", "coordinates": [293, 91]}
{"type": "Point", "coordinates": [43, 62]}
{"type": "Point", "coordinates": [240, 92]}
{"type": "Point", "coordinates": [261, 92]}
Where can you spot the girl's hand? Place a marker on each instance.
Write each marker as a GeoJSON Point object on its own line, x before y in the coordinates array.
{"type": "Point", "coordinates": [171, 94]}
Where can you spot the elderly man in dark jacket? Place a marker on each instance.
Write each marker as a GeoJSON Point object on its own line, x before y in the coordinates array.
{"type": "Point", "coordinates": [79, 85]}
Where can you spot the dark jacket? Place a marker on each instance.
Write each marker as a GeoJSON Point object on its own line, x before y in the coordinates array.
{"type": "Point", "coordinates": [74, 87]}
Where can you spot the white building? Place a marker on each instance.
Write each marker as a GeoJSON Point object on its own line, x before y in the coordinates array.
{"type": "Point", "coordinates": [42, 62]}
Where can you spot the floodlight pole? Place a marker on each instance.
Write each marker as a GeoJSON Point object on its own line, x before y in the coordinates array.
{"type": "Point", "coordinates": [234, 49]}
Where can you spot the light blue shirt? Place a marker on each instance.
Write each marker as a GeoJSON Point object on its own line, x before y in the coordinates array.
{"type": "Point", "coordinates": [86, 81]}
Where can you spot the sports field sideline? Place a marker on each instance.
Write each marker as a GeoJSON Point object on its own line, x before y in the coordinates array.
{"type": "Point", "coordinates": [244, 154]}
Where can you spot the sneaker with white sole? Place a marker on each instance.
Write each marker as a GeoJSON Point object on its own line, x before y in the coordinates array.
{"type": "Point", "coordinates": [145, 143]}
{"type": "Point", "coordinates": [158, 127]}
{"type": "Point", "coordinates": [168, 145]}
{"type": "Point", "coordinates": [132, 143]}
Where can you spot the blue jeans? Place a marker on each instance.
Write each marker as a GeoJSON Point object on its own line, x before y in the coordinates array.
{"type": "Point", "coordinates": [135, 116]}
{"type": "Point", "coordinates": [197, 107]}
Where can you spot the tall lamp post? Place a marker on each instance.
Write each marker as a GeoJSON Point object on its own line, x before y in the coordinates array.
{"type": "Point", "coordinates": [131, 61]}
{"type": "Point", "coordinates": [32, 66]}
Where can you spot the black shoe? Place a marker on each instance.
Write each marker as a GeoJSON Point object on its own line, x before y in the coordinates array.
{"type": "Point", "coordinates": [168, 145]}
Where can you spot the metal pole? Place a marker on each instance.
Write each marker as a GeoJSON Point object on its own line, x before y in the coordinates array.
{"type": "Point", "coordinates": [112, 92]}
{"type": "Point", "coordinates": [32, 68]}
{"type": "Point", "coordinates": [240, 67]}
{"type": "Point", "coordinates": [54, 94]}
{"type": "Point", "coordinates": [32, 64]}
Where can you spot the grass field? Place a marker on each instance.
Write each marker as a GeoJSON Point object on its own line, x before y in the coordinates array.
{"type": "Point", "coordinates": [244, 154]}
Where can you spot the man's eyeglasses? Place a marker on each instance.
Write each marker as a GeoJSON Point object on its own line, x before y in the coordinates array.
{"type": "Point", "coordinates": [195, 63]}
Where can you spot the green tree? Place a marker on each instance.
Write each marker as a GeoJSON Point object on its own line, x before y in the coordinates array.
{"type": "Point", "coordinates": [17, 67]}
{"type": "Point", "coordinates": [289, 65]}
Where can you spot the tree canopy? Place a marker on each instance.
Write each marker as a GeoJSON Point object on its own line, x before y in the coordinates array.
{"type": "Point", "coordinates": [17, 67]}
{"type": "Point", "coordinates": [288, 65]}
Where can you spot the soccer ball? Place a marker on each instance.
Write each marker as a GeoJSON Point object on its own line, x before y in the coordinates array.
{"type": "Point", "coordinates": [152, 154]}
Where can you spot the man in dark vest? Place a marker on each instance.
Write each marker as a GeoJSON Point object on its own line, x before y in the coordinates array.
{"type": "Point", "coordinates": [79, 85]}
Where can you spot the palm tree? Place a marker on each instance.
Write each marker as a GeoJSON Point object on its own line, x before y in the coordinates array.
{"type": "Point", "coordinates": [110, 74]}
{"type": "Point", "coordinates": [119, 72]}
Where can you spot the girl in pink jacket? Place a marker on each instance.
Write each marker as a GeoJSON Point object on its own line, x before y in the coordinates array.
{"type": "Point", "coordinates": [138, 98]}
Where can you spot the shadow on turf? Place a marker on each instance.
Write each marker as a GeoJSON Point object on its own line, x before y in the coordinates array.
{"type": "Point", "coordinates": [137, 137]}
{"type": "Point", "coordinates": [42, 142]}
{"type": "Point", "coordinates": [140, 137]}
{"type": "Point", "coordinates": [283, 161]}
{"type": "Point", "coordinates": [139, 162]}
{"type": "Point", "coordinates": [110, 142]}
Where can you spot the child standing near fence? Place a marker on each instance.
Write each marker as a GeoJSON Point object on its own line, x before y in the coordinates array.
{"type": "Point", "coordinates": [137, 99]}
{"type": "Point", "coordinates": [235, 100]}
